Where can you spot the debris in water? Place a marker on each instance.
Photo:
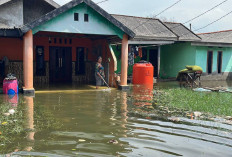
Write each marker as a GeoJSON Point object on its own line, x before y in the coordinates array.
{"type": "Point", "coordinates": [81, 140]}
{"type": "Point", "coordinates": [107, 90]}
{"type": "Point", "coordinates": [4, 123]}
{"type": "Point", "coordinates": [228, 118]}
{"type": "Point", "coordinates": [175, 119]}
{"type": "Point", "coordinates": [201, 90]}
{"type": "Point", "coordinates": [11, 111]}
{"type": "Point", "coordinates": [113, 141]}
{"type": "Point", "coordinates": [6, 114]}
{"type": "Point", "coordinates": [197, 114]}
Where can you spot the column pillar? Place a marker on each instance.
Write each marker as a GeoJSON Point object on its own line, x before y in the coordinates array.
{"type": "Point", "coordinates": [124, 63]}
{"type": "Point", "coordinates": [28, 63]}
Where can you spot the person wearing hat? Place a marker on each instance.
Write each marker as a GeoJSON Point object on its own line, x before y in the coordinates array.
{"type": "Point", "coordinates": [99, 72]}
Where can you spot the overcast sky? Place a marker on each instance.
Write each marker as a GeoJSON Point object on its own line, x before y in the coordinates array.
{"type": "Point", "coordinates": [183, 11]}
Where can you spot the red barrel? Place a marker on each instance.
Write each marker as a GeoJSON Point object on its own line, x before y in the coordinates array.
{"type": "Point", "coordinates": [143, 74]}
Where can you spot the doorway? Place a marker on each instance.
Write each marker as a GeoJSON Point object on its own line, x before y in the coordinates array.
{"type": "Point", "coordinates": [60, 64]}
{"type": "Point", "coordinates": [153, 59]}
{"type": "Point", "coordinates": [219, 65]}
{"type": "Point", "coordinates": [210, 62]}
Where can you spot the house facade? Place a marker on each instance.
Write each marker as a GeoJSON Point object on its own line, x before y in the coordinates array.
{"type": "Point", "coordinates": [213, 53]}
{"type": "Point", "coordinates": [62, 46]}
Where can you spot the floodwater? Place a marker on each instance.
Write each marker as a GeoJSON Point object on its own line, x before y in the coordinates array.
{"type": "Point", "coordinates": [99, 123]}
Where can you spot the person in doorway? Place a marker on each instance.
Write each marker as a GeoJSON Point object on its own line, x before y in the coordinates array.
{"type": "Point", "coordinates": [99, 72]}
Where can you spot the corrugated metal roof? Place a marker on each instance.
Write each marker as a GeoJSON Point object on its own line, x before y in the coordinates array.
{"type": "Point", "coordinates": [146, 28]}
{"type": "Point", "coordinates": [217, 37]}
{"type": "Point", "coordinates": [183, 32]}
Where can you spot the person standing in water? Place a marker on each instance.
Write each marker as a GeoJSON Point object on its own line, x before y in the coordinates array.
{"type": "Point", "coordinates": [99, 72]}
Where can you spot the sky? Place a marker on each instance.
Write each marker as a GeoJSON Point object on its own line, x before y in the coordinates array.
{"type": "Point", "coordinates": [182, 12]}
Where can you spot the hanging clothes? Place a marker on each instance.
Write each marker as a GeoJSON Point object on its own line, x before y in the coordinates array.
{"type": "Point", "coordinates": [131, 55]}
{"type": "Point", "coordinates": [136, 51]}
{"type": "Point", "coordinates": [140, 52]}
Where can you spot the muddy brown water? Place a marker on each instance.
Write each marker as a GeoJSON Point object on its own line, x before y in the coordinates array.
{"type": "Point", "coordinates": [99, 123]}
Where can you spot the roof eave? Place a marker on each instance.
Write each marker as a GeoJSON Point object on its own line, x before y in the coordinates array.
{"type": "Point", "coordinates": [155, 38]}
{"type": "Point", "coordinates": [216, 44]}
{"type": "Point", "coordinates": [52, 3]}
{"type": "Point", "coordinates": [11, 33]}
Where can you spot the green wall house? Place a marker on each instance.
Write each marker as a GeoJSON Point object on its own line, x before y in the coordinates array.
{"type": "Point", "coordinates": [213, 53]}
{"type": "Point", "coordinates": [166, 45]}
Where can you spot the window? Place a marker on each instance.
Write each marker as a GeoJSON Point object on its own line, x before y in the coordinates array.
{"type": "Point", "coordinates": [70, 41]}
{"type": "Point", "coordinates": [86, 18]}
{"type": "Point", "coordinates": [60, 40]}
{"type": "Point", "coordinates": [55, 40]}
{"type": "Point", "coordinates": [76, 17]}
{"type": "Point", "coordinates": [219, 64]}
{"type": "Point", "coordinates": [65, 41]}
{"type": "Point", "coordinates": [80, 61]}
{"type": "Point", "coordinates": [210, 62]}
{"type": "Point", "coordinates": [40, 64]}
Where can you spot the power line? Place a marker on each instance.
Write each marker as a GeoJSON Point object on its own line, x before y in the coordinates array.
{"type": "Point", "coordinates": [102, 1]}
{"type": "Point", "coordinates": [214, 21]}
{"type": "Point", "coordinates": [196, 16]}
{"type": "Point", "coordinates": [205, 12]}
{"type": "Point", "coordinates": [210, 23]}
{"type": "Point", "coordinates": [159, 13]}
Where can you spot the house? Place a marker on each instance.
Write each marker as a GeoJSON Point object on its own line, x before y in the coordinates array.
{"type": "Point", "coordinates": [213, 53]}
{"type": "Point", "coordinates": [159, 43]}
{"type": "Point", "coordinates": [62, 45]}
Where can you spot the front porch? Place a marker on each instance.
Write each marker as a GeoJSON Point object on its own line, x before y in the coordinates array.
{"type": "Point", "coordinates": [61, 48]}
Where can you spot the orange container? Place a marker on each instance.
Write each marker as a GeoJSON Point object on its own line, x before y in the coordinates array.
{"type": "Point", "coordinates": [143, 74]}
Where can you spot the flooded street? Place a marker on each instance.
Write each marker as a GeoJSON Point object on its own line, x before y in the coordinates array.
{"type": "Point", "coordinates": [99, 123]}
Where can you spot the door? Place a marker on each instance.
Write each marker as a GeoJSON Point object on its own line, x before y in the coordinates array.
{"type": "Point", "coordinates": [153, 59]}
{"type": "Point", "coordinates": [219, 62]}
{"type": "Point", "coordinates": [80, 61]}
{"type": "Point", "coordinates": [210, 62]}
{"type": "Point", "coordinates": [60, 64]}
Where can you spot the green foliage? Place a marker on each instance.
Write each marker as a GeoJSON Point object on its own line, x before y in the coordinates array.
{"type": "Point", "coordinates": [208, 102]}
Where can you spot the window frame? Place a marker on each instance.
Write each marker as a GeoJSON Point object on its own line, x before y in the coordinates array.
{"type": "Point", "coordinates": [76, 16]}
{"type": "Point", "coordinates": [86, 17]}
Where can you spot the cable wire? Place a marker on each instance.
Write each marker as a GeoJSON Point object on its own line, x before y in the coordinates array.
{"type": "Point", "coordinates": [102, 1]}
{"type": "Point", "coordinates": [194, 17]}
{"type": "Point", "coordinates": [210, 23]}
{"type": "Point", "coordinates": [205, 12]}
{"type": "Point", "coordinates": [159, 13]}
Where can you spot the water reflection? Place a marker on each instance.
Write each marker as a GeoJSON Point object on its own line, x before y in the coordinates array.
{"type": "Point", "coordinates": [91, 122]}
{"type": "Point", "coordinates": [29, 102]}
{"type": "Point", "coordinates": [124, 112]}
{"type": "Point", "coordinates": [11, 99]}
{"type": "Point", "coordinates": [143, 95]}
{"type": "Point", "coordinates": [29, 121]}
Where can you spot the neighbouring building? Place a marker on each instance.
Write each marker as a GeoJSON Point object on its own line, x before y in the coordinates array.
{"type": "Point", "coordinates": [213, 53]}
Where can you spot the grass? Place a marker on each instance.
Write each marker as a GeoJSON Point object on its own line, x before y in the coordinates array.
{"type": "Point", "coordinates": [218, 104]}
